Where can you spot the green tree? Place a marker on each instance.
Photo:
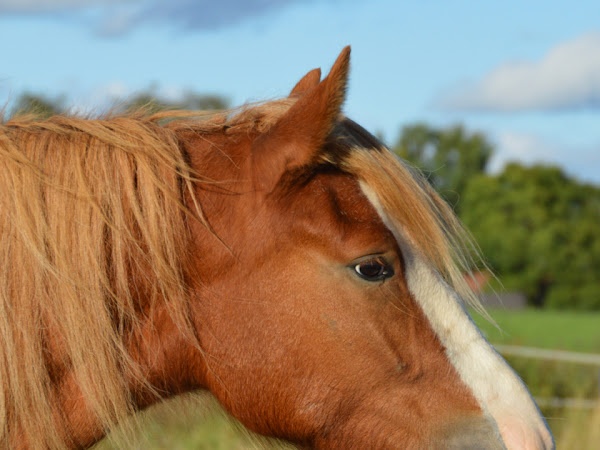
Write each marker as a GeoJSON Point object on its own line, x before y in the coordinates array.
{"type": "Point", "coordinates": [540, 231]}
{"type": "Point", "coordinates": [447, 157]}
{"type": "Point", "coordinates": [43, 106]}
{"type": "Point", "coordinates": [153, 102]}
{"type": "Point", "coordinates": [39, 105]}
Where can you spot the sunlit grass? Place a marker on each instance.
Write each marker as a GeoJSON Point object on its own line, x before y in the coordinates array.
{"type": "Point", "coordinates": [580, 430]}
{"type": "Point", "coordinates": [573, 429]}
{"type": "Point", "coordinates": [564, 330]}
{"type": "Point", "coordinates": [186, 423]}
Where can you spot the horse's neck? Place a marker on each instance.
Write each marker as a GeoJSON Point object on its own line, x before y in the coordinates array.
{"type": "Point", "coordinates": [168, 357]}
{"type": "Point", "coordinates": [169, 362]}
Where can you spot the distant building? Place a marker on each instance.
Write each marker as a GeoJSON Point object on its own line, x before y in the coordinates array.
{"type": "Point", "coordinates": [478, 281]}
{"type": "Point", "coordinates": [504, 300]}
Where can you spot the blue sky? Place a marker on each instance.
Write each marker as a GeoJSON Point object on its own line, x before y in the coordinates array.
{"type": "Point", "coordinates": [525, 72]}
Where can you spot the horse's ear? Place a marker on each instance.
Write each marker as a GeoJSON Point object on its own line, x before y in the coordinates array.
{"type": "Point", "coordinates": [298, 136]}
{"type": "Point", "coordinates": [308, 81]}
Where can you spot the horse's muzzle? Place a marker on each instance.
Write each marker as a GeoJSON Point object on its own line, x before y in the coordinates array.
{"type": "Point", "coordinates": [474, 433]}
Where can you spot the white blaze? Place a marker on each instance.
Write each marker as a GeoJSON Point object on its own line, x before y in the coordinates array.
{"type": "Point", "coordinates": [499, 391]}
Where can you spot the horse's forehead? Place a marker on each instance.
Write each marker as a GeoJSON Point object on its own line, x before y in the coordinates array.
{"type": "Point", "coordinates": [333, 205]}
{"type": "Point", "coordinates": [336, 193]}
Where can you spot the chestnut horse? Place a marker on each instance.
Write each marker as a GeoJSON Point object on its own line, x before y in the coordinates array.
{"type": "Point", "coordinates": [276, 255]}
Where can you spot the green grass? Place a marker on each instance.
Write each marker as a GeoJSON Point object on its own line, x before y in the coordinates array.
{"type": "Point", "coordinates": [190, 422]}
{"type": "Point", "coordinates": [564, 330]}
{"type": "Point", "coordinates": [572, 331]}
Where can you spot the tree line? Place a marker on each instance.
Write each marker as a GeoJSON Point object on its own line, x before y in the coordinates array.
{"type": "Point", "coordinates": [43, 106]}
{"type": "Point", "coordinates": [538, 228]}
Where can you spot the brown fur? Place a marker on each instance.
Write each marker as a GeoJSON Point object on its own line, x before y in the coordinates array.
{"type": "Point", "coordinates": [142, 260]}
{"type": "Point", "coordinates": [309, 81]}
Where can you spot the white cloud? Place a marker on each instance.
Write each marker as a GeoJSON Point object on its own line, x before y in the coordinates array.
{"type": "Point", "coordinates": [113, 90]}
{"type": "Point", "coordinates": [521, 147]}
{"type": "Point", "coordinates": [43, 6]}
{"type": "Point", "coordinates": [171, 93]}
{"type": "Point", "coordinates": [116, 17]}
{"type": "Point", "coordinates": [581, 162]}
{"type": "Point", "coordinates": [567, 77]}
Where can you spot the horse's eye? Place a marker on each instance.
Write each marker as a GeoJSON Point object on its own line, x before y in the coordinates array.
{"type": "Point", "coordinates": [375, 269]}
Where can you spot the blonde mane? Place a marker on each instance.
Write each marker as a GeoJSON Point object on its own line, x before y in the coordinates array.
{"type": "Point", "coordinates": [409, 201]}
{"type": "Point", "coordinates": [84, 208]}
{"type": "Point", "coordinates": [87, 206]}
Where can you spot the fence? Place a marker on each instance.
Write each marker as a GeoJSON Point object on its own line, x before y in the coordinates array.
{"type": "Point", "coordinates": [556, 355]}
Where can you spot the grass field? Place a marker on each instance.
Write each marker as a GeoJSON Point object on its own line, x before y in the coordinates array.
{"type": "Point", "coordinates": [564, 330]}
{"type": "Point", "coordinates": [196, 423]}
{"type": "Point", "coordinates": [576, 429]}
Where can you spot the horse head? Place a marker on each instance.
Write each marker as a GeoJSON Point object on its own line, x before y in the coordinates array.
{"type": "Point", "coordinates": [278, 256]}
{"type": "Point", "coordinates": [328, 310]}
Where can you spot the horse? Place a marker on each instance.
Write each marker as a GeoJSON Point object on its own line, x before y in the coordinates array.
{"type": "Point", "coordinates": [277, 255]}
